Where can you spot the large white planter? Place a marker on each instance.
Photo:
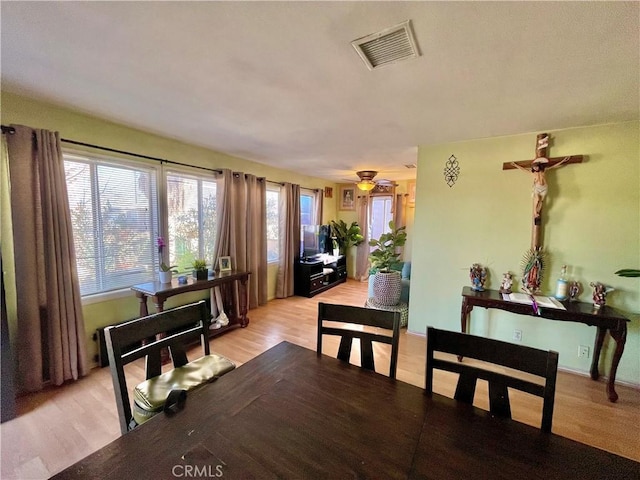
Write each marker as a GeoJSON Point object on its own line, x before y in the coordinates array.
{"type": "Point", "coordinates": [165, 277]}
{"type": "Point", "coordinates": [387, 287]}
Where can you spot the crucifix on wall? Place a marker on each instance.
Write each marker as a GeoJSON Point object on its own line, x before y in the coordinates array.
{"type": "Point", "coordinates": [537, 167]}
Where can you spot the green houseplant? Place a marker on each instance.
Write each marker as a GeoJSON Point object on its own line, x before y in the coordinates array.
{"type": "Point", "coordinates": [628, 272]}
{"type": "Point", "coordinates": [385, 255]}
{"type": "Point", "coordinates": [200, 271]}
{"type": "Point", "coordinates": [347, 236]}
{"type": "Point", "coordinates": [387, 283]}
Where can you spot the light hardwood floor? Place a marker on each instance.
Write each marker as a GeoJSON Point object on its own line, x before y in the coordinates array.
{"type": "Point", "coordinates": [60, 426]}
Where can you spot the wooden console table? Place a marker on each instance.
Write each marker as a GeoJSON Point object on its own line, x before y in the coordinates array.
{"type": "Point", "coordinates": [227, 281]}
{"type": "Point", "coordinates": [605, 318]}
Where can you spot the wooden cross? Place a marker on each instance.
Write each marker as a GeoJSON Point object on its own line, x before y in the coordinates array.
{"type": "Point", "coordinates": [537, 167]}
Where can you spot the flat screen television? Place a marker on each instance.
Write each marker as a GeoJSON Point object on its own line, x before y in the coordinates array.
{"type": "Point", "coordinates": [314, 240]}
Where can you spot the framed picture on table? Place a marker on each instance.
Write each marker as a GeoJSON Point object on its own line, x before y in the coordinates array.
{"type": "Point", "coordinates": [225, 264]}
{"type": "Point", "coordinates": [347, 197]}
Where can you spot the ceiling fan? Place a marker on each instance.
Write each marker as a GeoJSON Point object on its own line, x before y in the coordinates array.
{"type": "Point", "coordinates": [367, 183]}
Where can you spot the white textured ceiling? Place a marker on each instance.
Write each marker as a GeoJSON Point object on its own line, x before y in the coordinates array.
{"type": "Point", "coordinates": [279, 83]}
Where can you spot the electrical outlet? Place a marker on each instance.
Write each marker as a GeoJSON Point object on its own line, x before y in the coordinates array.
{"type": "Point", "coordinates": [517, 335]}
{"type": "Point", "coordinates": [583, 351]}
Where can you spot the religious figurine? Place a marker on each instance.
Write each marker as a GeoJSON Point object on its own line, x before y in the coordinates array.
{"type": "Point", "coordinates": [532, 269]}
{"type": "Point", "coordinates": [478, 275]}
{"type": "Point", "coordinates": [540, 187]}
{"type": "Point", "coordinates": [507, 282]}
{"type": "Point", "coordinates": [600, 294]}
{"type": "Point", "coordinates": [537, 167]}
{"type": "Point", "coordinates": [574, 291]}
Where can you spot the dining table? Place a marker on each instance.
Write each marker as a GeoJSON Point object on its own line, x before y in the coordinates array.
{"type": "Point", "coordinates": [291, 413]}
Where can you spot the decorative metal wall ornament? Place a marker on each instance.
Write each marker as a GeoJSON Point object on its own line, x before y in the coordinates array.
{"type": "Point", "coordinates": [451, 171]}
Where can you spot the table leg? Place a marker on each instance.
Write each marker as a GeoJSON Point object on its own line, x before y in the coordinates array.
{"type": "Point", "coordinates": [159, 305]}
{"type": "Point", "coordinates": [464, 315]}
{"type": "Point", "coordinates": [597, 348]}
{"type": "Point", "coordinates": [142, 298]}
{"type": "Point", "coordinates": [164, 353]}
{"type": "Point", "coordinates": [620, 336]}
{"type": "Point", "coordinates": [243, 301]}
{"type": "Point", "coordinates": [214, 307]}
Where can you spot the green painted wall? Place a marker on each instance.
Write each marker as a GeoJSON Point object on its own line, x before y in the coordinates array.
{"type": "Point", "coordinates": [592, 225]}
{"type": "Point", "coordinates": [77, 126]}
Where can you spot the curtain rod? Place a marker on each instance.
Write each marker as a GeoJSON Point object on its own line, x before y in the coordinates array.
{"type": "Point", "coordinates": [11, 131]}
{"type": "Point", "coordinates": [306, 188]}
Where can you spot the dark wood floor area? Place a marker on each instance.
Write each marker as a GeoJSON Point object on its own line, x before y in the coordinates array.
{"type": "Point", "coordinates": [60, 426]}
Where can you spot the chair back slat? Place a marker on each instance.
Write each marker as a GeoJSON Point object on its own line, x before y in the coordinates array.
{"type": "Point", "coordinates": [358, 315]}
{"type": "Point", "coordinates": [518, 357]}
{"type": "Point", "coordinates": [347, 314]}
{"type": "Point", "coordinates": [541, 363]}
{"type": "Point", "coordinates": [129, 333]}
{"type": "Point", "coordinates": [175, 342]}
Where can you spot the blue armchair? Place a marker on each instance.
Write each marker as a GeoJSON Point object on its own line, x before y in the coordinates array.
{"type": "Point", "coordinates": [406, 282]}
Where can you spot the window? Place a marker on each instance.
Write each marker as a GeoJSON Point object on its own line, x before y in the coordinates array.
{"type": "Point", "coordinates": [273, 224]}
{"type": "Point", "coordinates": [307, 209]}
{"type": "Point", "coordinates": [114, 215]}
{"type": "Point", "coordinates": [380, 212]}
{"type": "Point", "coordinates": [191, 218]}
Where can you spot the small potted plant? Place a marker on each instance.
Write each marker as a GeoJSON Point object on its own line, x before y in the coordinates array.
{"type": "Point", "coordinates": [387, 283]}
{"type": "Point", "coordinates": [165, 272]}
{"type": "Point", "coordinates": [200, 270]}
{"type": "Point", "coordinates": [628, 272]}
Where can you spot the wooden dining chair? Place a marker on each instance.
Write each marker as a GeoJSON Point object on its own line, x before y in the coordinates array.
{"type": "Point", "coordinates": [139, 338]}
{"type": "Point", "coordinates": [360, 316]}
{"type": "Point", "coordinates": [541, 363]}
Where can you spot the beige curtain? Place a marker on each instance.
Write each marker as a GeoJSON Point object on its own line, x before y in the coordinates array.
{"type": "Point", "coordinates": [319, 196]}
{"type": "Point", "coordinates": [362, 252]}
{"type": "Point", "coordinates": [51, 340]}
{"type": "Point", "coordinates": [289, 210]}
{"type": "Point", "coordinates": [400, 214]}
{"type": "Point", "coordinates": [223, 224]}
{"type": "Point", "coordinates": [241, 230]}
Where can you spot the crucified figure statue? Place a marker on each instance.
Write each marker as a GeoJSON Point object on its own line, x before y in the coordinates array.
{"type": "Point", "coordinates": [538, 167]}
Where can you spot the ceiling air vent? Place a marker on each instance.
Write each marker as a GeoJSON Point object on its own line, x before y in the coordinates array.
{"type": "Point", "coordinates": [388, 46]}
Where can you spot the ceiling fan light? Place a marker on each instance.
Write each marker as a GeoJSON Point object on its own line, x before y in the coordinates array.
{"type": "Point", "coordinates": [366, 174]}
{"type": "Point", "coordinates": [366, 185]}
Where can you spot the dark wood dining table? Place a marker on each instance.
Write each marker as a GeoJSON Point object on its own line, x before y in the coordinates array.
{"type": "Point", "coordinates": [289, 413]}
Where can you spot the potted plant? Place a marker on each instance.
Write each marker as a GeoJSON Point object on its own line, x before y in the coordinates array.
{"type": "Point", "coordinates": [628, 272]}
{"type": "Point", "coordinates": [165, 272]}
{"type": "Point", "coordinates": [336, 246]}
{"type": "Point", "coordinates": [387, 283]}
{"type": "Point", "coordinates": [346, 236]}
{"type": "Point", "coordinates": [200, 270]}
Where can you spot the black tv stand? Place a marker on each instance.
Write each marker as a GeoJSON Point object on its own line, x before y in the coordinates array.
{"type": "Point", "coordinates": [313, 276]}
